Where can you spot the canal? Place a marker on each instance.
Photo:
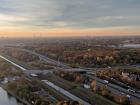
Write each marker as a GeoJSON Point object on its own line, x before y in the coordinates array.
{"type": "Point", "coordinates": [6, 99]}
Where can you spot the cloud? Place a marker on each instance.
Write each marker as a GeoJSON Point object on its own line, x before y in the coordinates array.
{"type": "Point", "coordinates": [70, 13]}
{"type": "Point", "coordinates": [10, 18]}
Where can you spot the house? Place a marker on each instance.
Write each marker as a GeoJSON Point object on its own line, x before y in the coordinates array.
{"type": "Point", "coordinates": [125, 75]}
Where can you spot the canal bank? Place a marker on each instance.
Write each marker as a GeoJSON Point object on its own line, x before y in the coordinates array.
{"type": "Point", "coordinates": [8, 99]}
{"type": "Point", "coordinates": [20, 100]}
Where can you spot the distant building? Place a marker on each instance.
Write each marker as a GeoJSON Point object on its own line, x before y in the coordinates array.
{"type": "Point", "coordinates": [132, 76]}
{"type": "Point", "coordinates": [125, 75]}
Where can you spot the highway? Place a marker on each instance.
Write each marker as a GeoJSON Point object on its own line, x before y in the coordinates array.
{"type": "Point", "coordinates": [60, 65]}
{"type": "Point", "coordinates": [12, 63]}
{"type": "Point", "coordinates": [117, 89]}
{"type": "Point", "coordinates": [66, 93]}
{"type": "Point", "coordinates": [59, 89]}
{"type": "Point", "coordinates": [112, 87]}
{"type": "Point", "coordinates": [48, 60]}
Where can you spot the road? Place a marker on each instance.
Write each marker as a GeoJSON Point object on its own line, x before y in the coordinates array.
{"type": "Point", "coordinates": [117, 89]}
{"type": "Point", "coordinates": [13, 63]}
{"type": "Point", "coordinates": [59, 89]}
{"type": "Point", "coordinates": [114, 88]}
{"type": "Point", "coordinates": [62, 66]}
{"type": "Point", "coordinates": [48, 60]}
{"type": "Point", "coordinates": [66, 93]}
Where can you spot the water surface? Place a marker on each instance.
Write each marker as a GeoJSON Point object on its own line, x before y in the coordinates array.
{"type": "Point", "coordinates": [6, 99]}
{"type": "Point", "coordinates": [131, 46]}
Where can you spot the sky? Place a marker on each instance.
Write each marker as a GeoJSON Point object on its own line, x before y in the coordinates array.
{"type": "Point", "coordinates": [69, 17]}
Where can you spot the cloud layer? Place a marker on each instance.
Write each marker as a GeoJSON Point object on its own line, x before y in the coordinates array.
{"type": "Point", "coordinates": [81, 14]}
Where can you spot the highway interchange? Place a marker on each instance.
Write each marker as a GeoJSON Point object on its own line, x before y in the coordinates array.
{"type": "Point", "coordinates": [59, 89]}
{"type": "Point", "coordinates": [118, 90]}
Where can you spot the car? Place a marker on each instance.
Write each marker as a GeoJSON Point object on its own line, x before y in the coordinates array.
{"type": "Point", "coordinates": [86, 86]}
{"type": "Point", "coordinates": [111, 78]}
{"type": "Point", "coordinates": [34, 75]}
{"type": "Point", "coordinates": [109, 67]}
{"type": "Point", "coordinates": [130, 90]}
{"type": "Point", "coordinates": [128, 96]}
{"type": "Point", "coordinates": [106, 81]}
